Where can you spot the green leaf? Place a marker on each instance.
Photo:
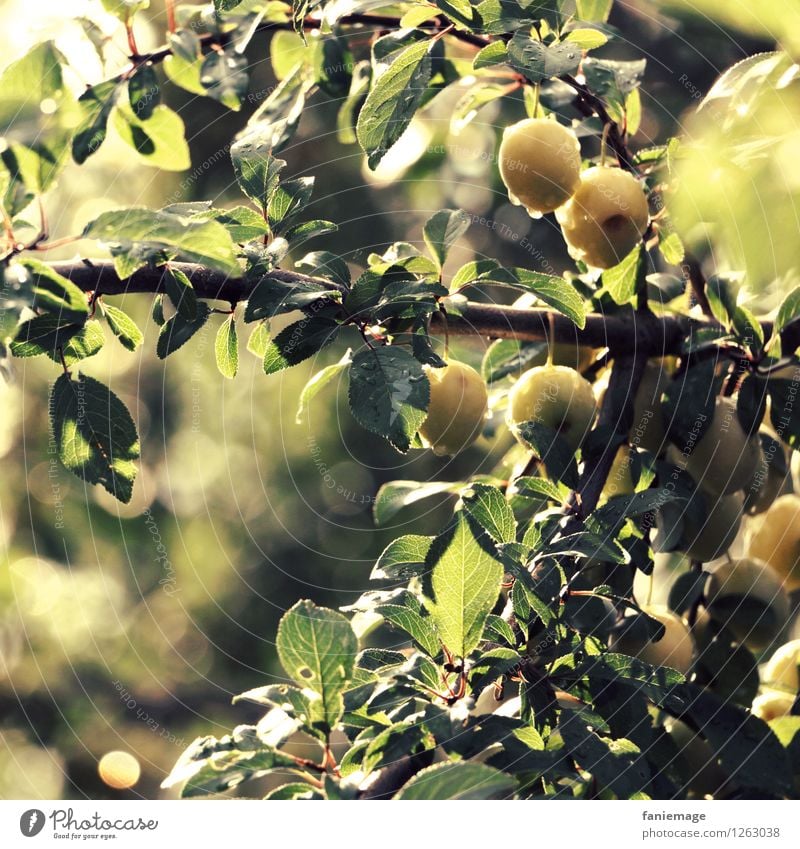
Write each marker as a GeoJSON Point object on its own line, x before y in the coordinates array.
{"type": "Point", "coordinates": [318, 382]}
{"type": "Point", "coordinates": [594, 10]}
{"type": "Point", "coordinates": [617, 765]}
{"type": "Point", "coordinates": [393, 99]}
{"type": "Point", "coordinates": [420, 628]}
{"type": "Point", "coordinates": [94, 434]}
{"type": "Point", "coordinates": [462, 780]}
{"type": "Point", "coordinates": [466, 581]}
{"type": "Point", "coordinates": [489, 508]}
{"type": "Point", "coordinates": [392, 744]}
{"type": "Point", "coordinates": [553, 450]}
{"type": "Point", "coordinates": [83, 344]}
{"type": "Point", "coordinates": [44, 334]}
{"type": "Point", "coordinates": [223, 75]}
{"type": "Point", "coordinates": [394, 496]}
{"type": "Point", "coordinates": [143, 92]}
{"type": "Point", "coordinates": [788, 310]}
{"type": "Point", "coordinates": [180, 291]}
{"type": "Point", "coordinates": [178, 331]}
{"type": "Point", "coordinates": [587, 38]}
{"type": "Point", "coordinates": [624, 280]}
{"type": "Point", "coordinates": [125, 9]}
{"type": "Point", "coordinates": [671, 246]}
{"type": "Point", "coordinates": [494, 53]}
{"type": "Point", "coordinates": [389, 394]}
{"type": "Point", "coordinates": [317, 648]}
{"type": "Point", "coordinates": [689, 402]}
{"type": "Point", "coordinates": [159, 141]}
{"type": "Point", "coordinates": [442, 230]}
{"type": "Point", "coordinates": [226, 349]}
{"type": "Point", "coordinates": [538, 61]}
{"type": "Point", "coordinates": [95, 106]}
{"type": "Point", "coordinates": [123, 327]}
{"type": "Point", "coordinates": [184, 65]}
{"type": "Point", "coordinates": [348, 111]}
{"type": "Point", "coordinates": [402, 559]}
{"type": "Point", "coordinates": [51, 292]}
{"type": "Point", "coordinates": [298, 342]}
{"type": "Point", "coordinates": [257, 170]}
{"type": "Point", "coordinates": [204, 242]}
{"type": "Point", "coordinates": [554, 291]}
{"type": "Point", "coordinates": [287, 201]}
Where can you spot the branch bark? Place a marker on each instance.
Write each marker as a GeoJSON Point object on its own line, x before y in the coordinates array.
{"type": "Point", "coordinates": [651, 334]}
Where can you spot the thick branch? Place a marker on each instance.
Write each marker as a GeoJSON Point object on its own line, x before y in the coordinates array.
{"type": "Point", "coordinates": [656, 336]}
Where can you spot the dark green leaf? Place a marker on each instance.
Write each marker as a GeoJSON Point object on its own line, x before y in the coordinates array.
{"type": "Point", "coordinates": [179, 290]}
{"type": "Point", "coordinates": [463, 780]}
{"type": "Point", "coordinates": [51, 292]}
{"type": "Point", "coordinates": [538, 61]}
{"type": "Point", "coordinates": [298, 342]}
{"type": "Point", "coordinates": [177, 331]}
{"type": "Point", "coordinates": [442, 230]}
{"type": "Point", "coordinates": [224, 77]}
{"type": "Point", "coordinates": [95, 104]}
{"type": "Point", "coordinates": [389, 394]}
{"type": "Point", "coordinates": [143, 91]}
{"type": "Point", "coordinates": [257, 170]}
{"type": "Point", "coordinates": [123, 327]}
{"type": "Point", "coordinates": [553, 450]}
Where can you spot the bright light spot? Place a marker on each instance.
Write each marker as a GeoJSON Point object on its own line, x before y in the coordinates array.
{"type": "Point", "coordinates": [119, 770]}
{"type": "Point", "coordinates": [742, 109]}
{"type": "Point", "coordinates": [48, 106]}
{"type": "Point", "coordinates": [408, 149]}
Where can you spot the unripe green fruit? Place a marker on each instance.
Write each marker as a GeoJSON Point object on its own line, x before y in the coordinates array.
{"type": "Point", "coordinates": [707, 538]}
{"type": "Point", "coordinates": [782, 670]}
{"type": "Point", "coordinates": [774, 537]}
{"type": "Point", "coordinates": [705, 776]}
{"type": "Point", "coordinates": [747, 597]}
{"type": "Point", "coordinates": [555, 396]}
{"type": "Point", "coordinates": [675, 649]}
{"type": "Point", "coordinates": [605, 218]}
{"type": "Point", "coordinates": [540, 164]}
{"type": "Point", "coordinates": [620, 479]}
{"type": "Point", "coordinates": [726, 459]}
{"type": "Point", "coordinates": [771, 705]}
{"type": "Point", "coordinates": [457, 408]}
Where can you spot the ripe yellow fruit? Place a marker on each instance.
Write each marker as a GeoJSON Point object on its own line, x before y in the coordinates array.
{"type": "Point", "coordinates": [771, 705]}
{"type": "Point", "coordinates": [726, 459]}
{"type": "Point", "coordinates": [782, 670]}
{"type": "Point", "coordinates": [675, 649]}
{"type": "Point", "coordinates": [747, 597]}
{"type": "Point", "coordinates": [119, 770]}
{"type": "Point", "coordinates": [540, 164]}
{"type": "Point", "coordinates": [710, 526]}
{"type": "Point", "coordinates": [774, 537]}
{"type": "Point", "coordinates": [605, 218]}
{"type": "Point", "coordinates": [555, 396]}
{"type": "Point", "coordinates": [457, 408]}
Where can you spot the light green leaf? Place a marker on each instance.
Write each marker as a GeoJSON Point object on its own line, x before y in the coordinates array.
{"type": "Point", "coordinates": [95, 106]}
{"type": "Point", "coordinates": [402, 559]}
{"type": "Point", "coordinates": [466, 582]}
{"type": "Point", "coordinates": [489, 508]}
{"type": "Point", "coordinates": [461, 780]}
{"type": "Point", "coordinates": [442, 230]}
{"type": "Point", "coordinates": [123, 327]}
{"type": "Point", "coordinates": [389, 394]}
{"type": "Point", "coordinates": [317, 648]}
{"type": "Point", "coordinates": [94, 434]}
{"type": "Point", "coordinates": [159, 141]}
{"type": "Point", "coordinates": [594, 10]}
{"type": "Point", "coordinates": [587, 38]}
{"type": "Point", "coordinates": [318, 382]}
{"type": "Point", "coordinates": [672, 249]}
{"type": "Point", "coordinates": [393, 496]}
{"type": "Point", "coordinates": [205, 242]}
{"type": "Point", "coordinates": [555, 292]}
{"type": "Point", "coordinates": [392, 101]}
{"type": "Point", "coordinates": [623, 280]}
{"type": "Point", "coordinates": [226, 349]}
{"type": "Point", "coordinates": [51, 292]}
{"type": "Point", "coordinates": [125, 9]}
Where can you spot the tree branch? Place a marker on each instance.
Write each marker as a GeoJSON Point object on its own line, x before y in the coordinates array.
{"type": "Point", "coordinates": [654, 335]}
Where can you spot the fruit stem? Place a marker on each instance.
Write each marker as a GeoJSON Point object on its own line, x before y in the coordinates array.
{"type": "Point", "coordinates": [536, 89]}
{"type": "Point", "coordinates": [551, 334]}
{"type": "Point", "coordinates": [604, 144]}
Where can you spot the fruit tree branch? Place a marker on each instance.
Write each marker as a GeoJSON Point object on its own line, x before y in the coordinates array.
{"type": "Point", "coordinates": [620, 333]}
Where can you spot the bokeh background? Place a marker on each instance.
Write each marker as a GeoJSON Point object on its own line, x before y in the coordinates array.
{"type": "Point", "coordinates": [130, 628]}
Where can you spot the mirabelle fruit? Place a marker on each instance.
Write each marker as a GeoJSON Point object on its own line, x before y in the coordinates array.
{"type": "Point", "coordinates": [540, 164]}
{"type": "Point", "coordinates": [457, 408]}
{"type": "Point", "coordinates": [675, 649]}
{"type": "Point", "coordinates": [487, 701]}
{"type": "Point", "coordinates": [782, 670]}
{"type": "Point", "coordinates": [774, 537]}
{"type": "Point", "coordinates": [119, 770]}
{"type": "Point", "coordinates": [605, 218]}
{"type": "Point", "coordinates": [748, 598]}
{"type": "Point", "coordinates": [766, 486]}
{"type": "Point", "coordinates": [555, 396]}
{"type": "Point", "coordinates": [725, 459]}
{"type": "Point", "coordinates": [620, 478]}
{"type": "Point", "coordinates": [710, 526]}
{"type": "Point", "coordinates": [704, 775]}
{"type": "Point", "coordinates": [771, 705]}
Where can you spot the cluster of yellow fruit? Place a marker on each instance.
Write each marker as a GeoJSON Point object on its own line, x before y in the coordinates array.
{"type": "Point", "coordinates": [602, 211]}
